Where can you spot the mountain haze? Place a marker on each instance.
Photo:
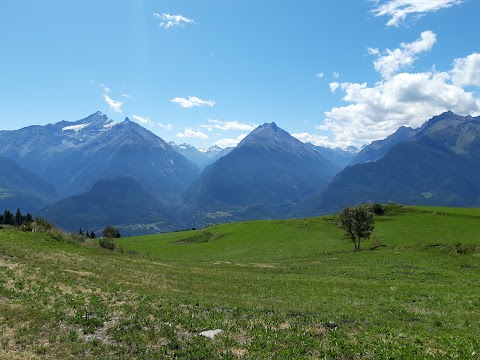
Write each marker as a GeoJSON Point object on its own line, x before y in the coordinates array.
{"type": "Point", "coordinates": [200, 157]}
{"type": "Point", "coordinates": [121, 201]}
{"type": "Point", "coordinates": [20, 188]}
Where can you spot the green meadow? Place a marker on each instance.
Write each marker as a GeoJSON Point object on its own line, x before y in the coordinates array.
{"type": "Point", "coordinates": [286, 289]}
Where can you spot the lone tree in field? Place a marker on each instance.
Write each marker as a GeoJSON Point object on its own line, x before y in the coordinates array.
{"type": "Point", "coordinates": [358, 221]}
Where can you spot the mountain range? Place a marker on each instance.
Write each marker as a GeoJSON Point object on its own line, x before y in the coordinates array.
{"type": "Point", "coordinates": [200, 157]}
{"type": "Point", "coordinates": [438, 165]}
{"type": "Point", "coordinates": [94, 172]}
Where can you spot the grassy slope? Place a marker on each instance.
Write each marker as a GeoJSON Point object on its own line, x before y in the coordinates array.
{"type": "Point", "coordinates": [285, 289]}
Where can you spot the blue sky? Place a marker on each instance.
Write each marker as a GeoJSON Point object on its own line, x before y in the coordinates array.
{"type": "Point", "coordinates": [333, 72]}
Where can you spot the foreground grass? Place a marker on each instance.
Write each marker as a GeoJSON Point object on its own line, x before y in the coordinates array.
{"type": "Point", "coordinates": [279, 289]}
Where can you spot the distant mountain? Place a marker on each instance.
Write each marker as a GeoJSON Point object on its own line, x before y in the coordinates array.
{"type": "Point", "coordinates": [200, 157]}
{"type": "Point", "coordinates": [122, 202]}
{"type": "Point", "coordinates": [42, 149]}
{"type": "Point", "coordinates": [20, 188]}
{"type": "Point", "coordinates": [338, 156]}
{"type": "Point", "coordinates": [262, 177]}
{"type": "Point", "coordinates": [377, 149]}
{"type": "Point", "coordinates": [75, 155]}
{"type": "Point", "coordinates": [440, 166]}
{"type": "Point", "coordinates": [129, 149]}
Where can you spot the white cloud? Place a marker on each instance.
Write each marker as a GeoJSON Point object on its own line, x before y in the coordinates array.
{"type": "Point", "coordinates": [373, 51]}
{"type": "Point", "coordinates": [334, 86]}
{"type": "Point", "coordinates": [115, 106]}
{"type": "Point", "coordinates": [466, 71]}
{"type": "Point", "coordinates": [224, 143]}
{"type": "Point", "coordinates": [142, 120]}
{"type": "Point", "coordinates": [106, 90]}
{"type": "Point", "coordinates": [229, 125]}
{"type": "Point", "coordinates": [169, 21]}
{"type": "Point", "coordinates": [190, 133]}
{"type": "Point", "coordinates": [398, 10]}
{"type": "Point", "coordinates": [127, 96]}
{"type": "Point", "coordinates": [395, 60]}
{"type": "Point", "coordinates": [336, 75]}
{"type": "Point", "coordinates": [319, 75]}
{"type": "Point", "coordinates": [192, 101]}
{"type": "Point", "coordinates": [168, 127]}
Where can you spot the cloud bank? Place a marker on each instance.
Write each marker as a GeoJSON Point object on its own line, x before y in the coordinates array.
{"type": "Point", "coordinates": [402, 98]}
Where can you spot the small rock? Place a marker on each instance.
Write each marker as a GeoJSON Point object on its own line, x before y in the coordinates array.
{"type": "Point", "coordinates": [211, 333]}
{"type": "Point", "coordinates": [331, 325]}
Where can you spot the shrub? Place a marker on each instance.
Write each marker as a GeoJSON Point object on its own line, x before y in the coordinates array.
{"type": "Point", "coordinates": [377, 209]}
{"type": "Point", "coordinates": [111, 232]}
{"type": "Point", "coordinates": [107, 243]}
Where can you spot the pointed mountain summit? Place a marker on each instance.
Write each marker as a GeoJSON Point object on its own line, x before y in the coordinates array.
{"type": "Point", "coordinates": [262, 177]}
{"type": "Point", "coordinates": [270, 137]}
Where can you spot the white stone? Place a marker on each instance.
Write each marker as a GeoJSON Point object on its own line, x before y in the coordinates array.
{"type": "Point", "coordinates": [211, 333]}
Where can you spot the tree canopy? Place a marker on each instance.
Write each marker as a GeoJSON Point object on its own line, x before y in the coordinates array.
{"type": "Point", "coordinates": [359, 223]}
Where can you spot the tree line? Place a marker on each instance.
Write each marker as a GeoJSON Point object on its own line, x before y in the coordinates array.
{"type": "Point", "coordinates": [17, 219]}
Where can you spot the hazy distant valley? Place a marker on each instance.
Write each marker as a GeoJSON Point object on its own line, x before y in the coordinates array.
{"type": "Point", "coordinates": [94, 172]}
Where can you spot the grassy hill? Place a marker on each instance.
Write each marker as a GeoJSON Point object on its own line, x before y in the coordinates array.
{"type": "Point", "coordinates": [278, 289]}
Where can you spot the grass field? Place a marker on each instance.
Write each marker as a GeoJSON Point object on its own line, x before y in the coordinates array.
{"type": "Point", "coordinates": [278, 289]}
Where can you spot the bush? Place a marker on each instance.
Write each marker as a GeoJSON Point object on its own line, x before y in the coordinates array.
{"type": "Point", "coordinates": [111, 233]}
{"type": "Point", "coordinates": [107, 243]}
{"type": "Point", "coordinates": [43, 225]}
{"type": "Point", "coordinates": [377, 209]}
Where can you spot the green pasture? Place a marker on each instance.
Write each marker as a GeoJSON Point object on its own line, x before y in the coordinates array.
{"type": "Point", "coordinates": [289, 289]}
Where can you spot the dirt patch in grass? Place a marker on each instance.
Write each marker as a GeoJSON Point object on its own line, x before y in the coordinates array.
{"type": "Point", "coordinates": [81, 273]}
{"type": "Point", "coordinates": [239, 353]}
{"type": "Point", "coordinates": [14, 355]}
{"type": "Point", "coordinates": [5, 262]}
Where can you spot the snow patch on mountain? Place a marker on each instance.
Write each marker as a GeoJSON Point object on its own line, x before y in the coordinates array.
{"type": "Point", "coordinates": [75, 128]}
{"type": "Point", "coordinates": [109, 124]}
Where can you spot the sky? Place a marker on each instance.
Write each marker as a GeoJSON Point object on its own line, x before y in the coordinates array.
{"type": "Point", "coordinates": [332, 72]}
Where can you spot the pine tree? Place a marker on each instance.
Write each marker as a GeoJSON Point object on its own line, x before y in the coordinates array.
{"type": "Point", "coordinates": [80, 232]}
{"type": "Point", "coordinates": [28, 218]}
{"type": "Point", "coordinates": [18, 218]}
{"type": "Point", "coordinates": [8, 218]}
